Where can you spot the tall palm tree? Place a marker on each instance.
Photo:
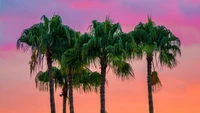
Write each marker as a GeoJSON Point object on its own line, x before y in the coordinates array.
{"type": "Point", "coordinates": [45, 39]}
{"type": "Point", "coordinates": [87, 81]}
{"type": "Point", "coordinates": [105, 46]}
{"type": "Point", "coordinates": [72, 63]}
{"type": "Point", "coordinates": [69, 66]}
{"type": "Point", "coordinates": [156, 42]}
{"type": "Point", "coordinates": [68, 86]}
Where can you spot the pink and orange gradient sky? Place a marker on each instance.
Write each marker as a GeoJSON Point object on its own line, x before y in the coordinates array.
{"type": "Point", "coordinates": [181, 86]}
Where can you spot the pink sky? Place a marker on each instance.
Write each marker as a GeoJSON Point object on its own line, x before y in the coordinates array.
{"type": "Point", "coordinates": [180, 93]}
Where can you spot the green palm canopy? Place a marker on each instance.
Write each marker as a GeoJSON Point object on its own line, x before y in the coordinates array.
{"type": "Point", "coordinates": [85, 80]}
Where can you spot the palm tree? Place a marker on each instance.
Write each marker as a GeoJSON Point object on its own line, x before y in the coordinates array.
{"type": "Point", "coordinates": [157, 42]}
{"type": "Point", "coordinates": [69, 66]}
{"type": "Point", "coordinates": [87, 81]}
{"type": "Point", "coordinates": [105, 46]}
{"type": "Point", "coordinates": [73, 63]}
{"type": "Point", "coordinates": [45, 39]}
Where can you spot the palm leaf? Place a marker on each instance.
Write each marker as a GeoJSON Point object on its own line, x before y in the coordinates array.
{"type": "Point", "coordinates": [156, 83]}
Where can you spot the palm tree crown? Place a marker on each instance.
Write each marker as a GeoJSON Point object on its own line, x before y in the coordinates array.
{"type": "Point", "coordinates": [159, 40]}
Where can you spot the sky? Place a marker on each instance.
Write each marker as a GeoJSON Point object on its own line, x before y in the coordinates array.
{"type": "Point", "coordinates": [180, 92]}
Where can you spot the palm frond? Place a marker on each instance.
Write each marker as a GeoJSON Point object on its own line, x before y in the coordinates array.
{"type": "Point", "coordinates": [86, 81]}
{"type": "Point", "coordinates": [156, 83]}
{"type": "Point", "coordinates": [42, 79]}
{"type": "Point", "coordinates": [167, 59]}
{"type": "Point", "coordinates": [121, 68]}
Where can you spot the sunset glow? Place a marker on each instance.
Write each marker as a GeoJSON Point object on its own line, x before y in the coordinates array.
{"type": "Point", "coordinates": [181, 85]}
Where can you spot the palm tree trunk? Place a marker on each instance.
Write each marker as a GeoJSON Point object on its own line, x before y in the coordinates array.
{"type": "Point", "coordinates": [51, 81]}
{"type": "Point", "coordinates": [102, 87]}
{"type": "Point", "coordinates": [64, 103]}
{"type": "Point", "coordinates": [149, 82]}
{"type": "Point", "coordinates": [71, 92]}
{"type": "Point", "coordinates": [65, 94]}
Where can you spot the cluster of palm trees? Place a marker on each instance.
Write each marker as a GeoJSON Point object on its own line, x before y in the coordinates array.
{"type": "Point", "coordinates": [104, 45]}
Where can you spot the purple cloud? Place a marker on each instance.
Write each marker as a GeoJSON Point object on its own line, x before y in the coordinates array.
{"type": "Point", "coordinates": [147, 7]}
{"type": "Point", "coordinates": [188, 8]}
{"type": "Point", "coordinates": [16, 15]}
